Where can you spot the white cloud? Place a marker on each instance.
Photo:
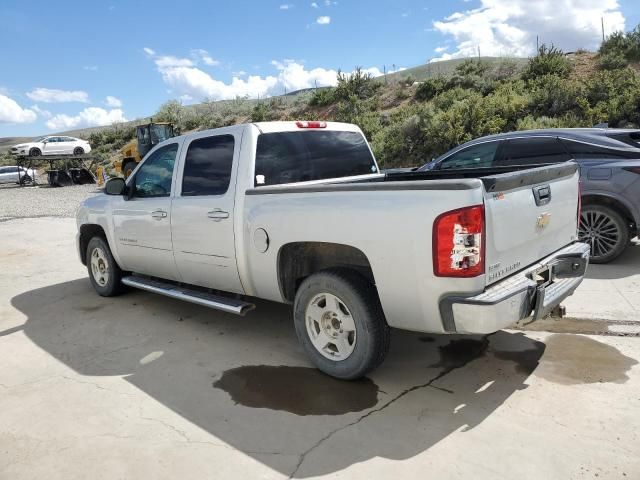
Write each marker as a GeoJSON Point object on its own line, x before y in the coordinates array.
{"type": "Point", "coordinates": [509, 27]}
{"type": "Point", "coordinates": [52, 95]}
{"type": "Point", "coordinates": [112, 102]}
{"type": "Point", "coordinates": [323, 20]}
{"type": "Point", "coordinates": [314, 5]}
{"type": "Point", "coordinates": [90, 68]}
{"type": "Point", "coordinates": [11, 112]}
{"type": "Point", "coordinates": [41, 111]}
{"type": "Point", "coordinates": [200, 54]}
{"type": "Point", "coordinates": [168, 61]}
{"type": "Point", "coordinates": [185, 80]}
{"type": "Point", "coordinates": [286, 6]}
{"type": "Point", "coordinates": [89, 117]}
{"type": "Point", "coordinates": [149, 51]}
{"type": "Point", "coordinates": [441, 49]}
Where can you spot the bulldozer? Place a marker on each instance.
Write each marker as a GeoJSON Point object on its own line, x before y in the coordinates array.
{"type": "Point", "coordinates": [147, 137]}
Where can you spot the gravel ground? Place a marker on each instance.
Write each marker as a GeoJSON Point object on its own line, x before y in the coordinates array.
{"type": "Point", "coordinates": [42, 201]}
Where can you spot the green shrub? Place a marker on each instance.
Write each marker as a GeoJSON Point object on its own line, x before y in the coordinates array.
{"type": "Point", "coordinates": [429, 88]}
{"type": "Point", "coordinates": [322, 97]}
{"type": "Point", "coordinates": [360, 84]}
{"type": "Point", "coordinates": [548, 61]}
{"type": "Point", "coordinates": [262, 112]}
{"type": "Point", "coordinates": [553, 96]}
{"type": "Point", "coordinates": [612, 61]}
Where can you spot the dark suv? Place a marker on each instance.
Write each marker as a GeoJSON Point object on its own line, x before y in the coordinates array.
{"type": "Point", "coordinates": [609, 162]}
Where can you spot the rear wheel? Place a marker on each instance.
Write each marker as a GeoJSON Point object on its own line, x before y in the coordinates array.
{"type": "Point", "coordinates": [78, 151]}
{"type": "Point", "coordinates": [35, 152]}
{"type": "Point", "coordinates": [605, 230]}
{"type": "Point", "coordinates": [340, 323]}
{"type": "Point", "coordinates": [24, 179]}
{"type": "Point", "coordinates": [104, 272]}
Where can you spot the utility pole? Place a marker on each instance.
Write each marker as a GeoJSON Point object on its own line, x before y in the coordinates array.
{"type": "Point", "coordinates": [602, 22]}
{"type": "Point", "coordinates": [384, 70]}
{"type": "Point", "coordinates": [478, 53]}
{"type": "Point", "coordinates": [537, 43]}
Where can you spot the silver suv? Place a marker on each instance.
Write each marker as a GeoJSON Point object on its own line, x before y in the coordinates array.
{"type": "Point", "coordinates": [609, 162]}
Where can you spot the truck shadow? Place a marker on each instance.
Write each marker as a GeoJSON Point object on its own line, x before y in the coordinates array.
{"type": "Point", "coordinates": [248, 383]}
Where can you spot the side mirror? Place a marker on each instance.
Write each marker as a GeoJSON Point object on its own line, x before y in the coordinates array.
{"type": "Point", "coordinates": [114, 186]}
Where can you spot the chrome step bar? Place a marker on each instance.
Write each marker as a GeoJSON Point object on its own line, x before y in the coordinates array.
{"type": "Point", "coordinates": [229, 305]}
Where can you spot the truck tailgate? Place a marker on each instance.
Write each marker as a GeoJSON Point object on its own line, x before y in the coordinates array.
{"type": "Point", "coordinates": [529, 214]}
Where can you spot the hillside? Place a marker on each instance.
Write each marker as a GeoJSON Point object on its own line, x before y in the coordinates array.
{"type": "Point", "coordinates": [418, 73]}
{"type": "Point", "coordinates": [416, 114]}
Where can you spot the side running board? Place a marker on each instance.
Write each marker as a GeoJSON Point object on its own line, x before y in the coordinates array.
{"type": "Point", "coordinates": [230, 305]}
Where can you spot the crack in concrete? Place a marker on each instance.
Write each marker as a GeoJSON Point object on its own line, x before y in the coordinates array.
{"type": "Point", "coordinates": [402, 394]}
{"type": "Point", "coordinates": [96, 385]}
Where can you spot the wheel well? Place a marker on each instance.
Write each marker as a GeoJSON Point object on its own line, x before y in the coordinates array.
{"type": "Point", "coordinates": [612, 203]}
{"type": "Point", "coordinates": [298, 260]}
{"type": "Point", "coordinates": [87, 232]}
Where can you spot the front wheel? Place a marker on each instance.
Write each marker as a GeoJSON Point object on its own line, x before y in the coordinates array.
{"type": "Point", "coordinates": [605, 230]}
{"type": "Point", "coordinates": [78, 151]}
{"type": "Point", "coordinates": [104, 272]}
{"type": "Point", "coordinates": [35, 152]}
{"type": "Point", "coordinates": [340, 323]}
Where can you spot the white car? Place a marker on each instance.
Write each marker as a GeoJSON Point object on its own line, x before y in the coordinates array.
{"type": "Point", "coordinates": [52, 145]}
{"type": "Point", "coordinates": [15, 174]}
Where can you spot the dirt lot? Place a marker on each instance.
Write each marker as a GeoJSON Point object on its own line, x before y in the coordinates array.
{"type": "Point", "coordinates": [142, 386]}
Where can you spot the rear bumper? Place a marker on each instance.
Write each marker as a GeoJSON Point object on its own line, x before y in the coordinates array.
{"type": "Point", "coordinates": [533, 292]}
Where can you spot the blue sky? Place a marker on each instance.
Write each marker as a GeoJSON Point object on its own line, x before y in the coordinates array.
{"type": "Point", "coordinates": [74, 64]}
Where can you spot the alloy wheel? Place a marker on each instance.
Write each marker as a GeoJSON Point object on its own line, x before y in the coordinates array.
{"type": "Point", "coordinates": [331, 327]}
{"type": "Point", "coordinates": [600, 231]}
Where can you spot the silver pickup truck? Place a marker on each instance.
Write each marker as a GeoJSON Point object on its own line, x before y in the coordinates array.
{"type": "Point", "coordinates": [298, 212]}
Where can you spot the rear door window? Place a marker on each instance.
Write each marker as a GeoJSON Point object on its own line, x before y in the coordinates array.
{"type": "Point", "coordinates": [481, 155]}
{"type": "Point", "coordinates": [533, 151]}
{"type": "Point", "coordinates": [288, 157]}
{"type": "Point", "coordinates": [207, 167]}
{"type": "Point", "coordinates": [580, 150]}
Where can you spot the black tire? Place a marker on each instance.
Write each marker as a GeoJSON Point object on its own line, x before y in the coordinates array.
{"type": "Point", "coordinates": [78, 151]}
{"type": "Point", "coordinates": [24, 179]}
{"type": "Point", "coordinates": [35, 152]}
{"type": "Point", "coordinates": [605, 230]}
{"type": "Point", "coordinates": [112, 286]}
{"type": "Point", "coordinates": [128, 168]}
{"type": "Point", "coordinates": [359, 296]}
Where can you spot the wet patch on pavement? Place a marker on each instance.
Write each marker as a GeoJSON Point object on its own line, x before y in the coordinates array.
{"type": "Point", "coordinates": [526, 361]}
{"type": "Point", "coordinates": [458, 353]}
{"type": "Point", "coordinates": [297, 390]}
{"type": "Point", "coordinates": [575, 359]}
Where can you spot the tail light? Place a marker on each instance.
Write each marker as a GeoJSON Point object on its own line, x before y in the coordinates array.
{"type": "Point", "coordinates": [312, 124]}
{"type": "Point", "coordinates": [458, 243]}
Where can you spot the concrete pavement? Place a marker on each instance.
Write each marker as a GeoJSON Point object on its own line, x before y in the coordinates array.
{"type": "Point", "coordinates": [142, 386]}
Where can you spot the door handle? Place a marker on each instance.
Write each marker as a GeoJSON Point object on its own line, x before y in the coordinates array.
{"type": "Point", "coordinates": [159, 214]}
{"type": "Point", "coordinates": [217, 214]}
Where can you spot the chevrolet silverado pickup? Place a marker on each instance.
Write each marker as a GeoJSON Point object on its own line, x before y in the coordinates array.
{"type": "Point", "coordinates": [299, 212]}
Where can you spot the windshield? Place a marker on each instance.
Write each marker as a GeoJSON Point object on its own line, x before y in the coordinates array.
{"type": "Point", "coordinates": [39, 139]}
{"type": "Point", "coordinates": [160, 133]}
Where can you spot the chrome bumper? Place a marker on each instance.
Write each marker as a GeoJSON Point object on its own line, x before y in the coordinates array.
{"type": "Point", "coordinates": [533, 292]}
